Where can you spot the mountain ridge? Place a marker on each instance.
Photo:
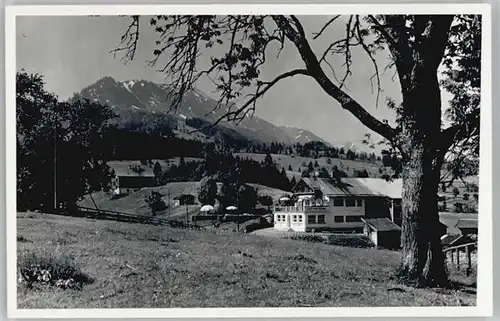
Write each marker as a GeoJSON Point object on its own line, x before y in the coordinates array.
{"type": "Point", "coordinates": [129, 98]}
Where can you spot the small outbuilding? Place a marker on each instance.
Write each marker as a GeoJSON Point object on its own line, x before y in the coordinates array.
{"type": "Point", "coordinates": [382, 232]}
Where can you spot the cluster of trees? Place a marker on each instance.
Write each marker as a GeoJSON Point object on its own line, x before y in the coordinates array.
{"type": "Point", "coordinates": [233, 192]}
{"type": "Point", "coordinates": [60, 150]}
{"type": "Point", "coordinates": [224, 166]}
{"type": "Point", "coordinates": [313, 149]}
{"type": "Point", "coordinates": [137, 145]}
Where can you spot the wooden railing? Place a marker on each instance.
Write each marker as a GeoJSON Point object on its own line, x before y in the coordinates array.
{"type": "Point", "coordinates": [127, 217]}
{"type": "Point", "coordinates": [454, 252]}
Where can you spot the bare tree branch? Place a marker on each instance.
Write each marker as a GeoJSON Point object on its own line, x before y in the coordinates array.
{"type": "Point", "coordinates": [129, 41]}
{"type": "Point", "coordinates": [240, 114]}
{"type": "Point", "coordinates": [318, 34]}
{"type": "Point", "coordinates": [376, 75]}
{"type": "Point", "coordinates": [314, 68]}
{"type": "Point", "coordinates": [461, 131]}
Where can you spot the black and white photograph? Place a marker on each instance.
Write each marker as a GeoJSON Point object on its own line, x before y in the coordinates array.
{"type": "Point", "coordinates": [172, 158]}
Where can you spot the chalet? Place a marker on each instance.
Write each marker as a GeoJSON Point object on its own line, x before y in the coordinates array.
{"type": "Point", "coordinates": [326, 204]}
{"type": "Point", "coordinates": [130, 178]}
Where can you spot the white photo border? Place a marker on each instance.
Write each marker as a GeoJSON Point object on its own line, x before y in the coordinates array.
{"type": "Point", "coordinates": [484, 307]}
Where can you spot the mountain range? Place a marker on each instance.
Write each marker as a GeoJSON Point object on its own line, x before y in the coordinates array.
{"type": "Point", "coordinates": [142, 100]}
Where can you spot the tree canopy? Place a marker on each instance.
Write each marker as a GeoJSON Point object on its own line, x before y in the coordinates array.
{"type": "Point", "coordinates": [70, 133]}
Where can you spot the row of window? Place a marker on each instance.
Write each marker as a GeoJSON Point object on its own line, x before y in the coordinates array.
{"type": "Point", "coordinates": [348, 202]}
{"type": "Point", "coordinates": [280, 218]}
{"type": "Point", "coordinates": [347, 219]}
{"type": "Point", "coordinates": [316, 219]}
{"type": "Point", "coordinates": [337, 202]}
{"type": "Point", "coordinates": [295, 218]}
{"type": "Point", "coordinates": [320, 219]}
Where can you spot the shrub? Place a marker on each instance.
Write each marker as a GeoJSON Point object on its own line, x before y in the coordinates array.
{"type": "Point", "coordinates": [154, 202]}
{"type": "Point", "coordinates": [59, 271]}
{"type": "Point", "coordinates": [306, 237]}
{"type": "Point", "coordinates": [359, 241]}
{"type": "Point", "coordinates": [466, 196]}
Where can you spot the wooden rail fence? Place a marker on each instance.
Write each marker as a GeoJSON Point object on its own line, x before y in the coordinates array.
{"type": "Point", "coordinates": [127, 217]}
{"type": "Point", "coordinates": [454, 253]}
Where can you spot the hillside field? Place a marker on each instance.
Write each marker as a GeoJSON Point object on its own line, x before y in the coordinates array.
{"type": "Point", "coordinates": [134, 202]}
{"type": "Point", "coordinates": [144, 266]}
{"type": "Point", "coordinates": [297, 162]}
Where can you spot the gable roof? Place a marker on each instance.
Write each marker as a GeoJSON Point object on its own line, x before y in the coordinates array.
{"type": "Point", "coordinates": [392, 189]}
{"type": "Point", "coordinates": [381, 224]}
{"type": "Point", "coordinates": [355, 186]}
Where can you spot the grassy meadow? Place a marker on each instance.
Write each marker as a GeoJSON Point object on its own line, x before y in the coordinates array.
{"type": "Point", "coordinates": [144, 266]}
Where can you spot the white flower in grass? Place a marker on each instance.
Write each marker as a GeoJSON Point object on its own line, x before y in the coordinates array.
{"type": "Point", "coordinates": [46, 276]}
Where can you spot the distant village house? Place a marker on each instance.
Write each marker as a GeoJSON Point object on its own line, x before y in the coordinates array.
{"type": "Point", "coordinates": [131, 178]}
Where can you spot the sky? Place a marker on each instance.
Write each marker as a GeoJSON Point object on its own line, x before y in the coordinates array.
{"type": "Point", "coordinates": [72, 52]}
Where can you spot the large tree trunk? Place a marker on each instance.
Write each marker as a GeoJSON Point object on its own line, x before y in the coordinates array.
{"type": "Point", "coordinates": [422, 257]}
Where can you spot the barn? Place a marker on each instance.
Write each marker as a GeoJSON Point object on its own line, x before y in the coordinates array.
{"type": "Point", "coordinates": [129, 178]}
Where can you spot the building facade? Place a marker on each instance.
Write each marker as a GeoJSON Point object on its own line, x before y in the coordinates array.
{"type": "Point", "coordinates": [323, 204]}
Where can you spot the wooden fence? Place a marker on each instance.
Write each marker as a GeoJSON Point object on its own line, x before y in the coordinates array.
{"type": "Point", "coordinates": [127, 217]}
{"type": "Point", "coordinates": [453, 252]}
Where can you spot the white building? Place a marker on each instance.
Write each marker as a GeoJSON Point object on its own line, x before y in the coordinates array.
{"type": "Point", "coordinates": [323, 204]}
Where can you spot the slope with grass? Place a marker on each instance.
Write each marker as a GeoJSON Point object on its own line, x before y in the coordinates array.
{"type": "Point", "coordinates": [298, 162]}
{"type": "Point", "coordinates": [134, 202]}
{"type": "Point", "coordinates": [143, 266]}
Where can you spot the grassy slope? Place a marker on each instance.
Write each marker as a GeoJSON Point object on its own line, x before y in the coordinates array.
{"type": "Point", "coordinates": [134, 202]}
{"type": "Point", "coordinates": [183, 268]}
{"type": "Point", "coordinates": [346, 165]}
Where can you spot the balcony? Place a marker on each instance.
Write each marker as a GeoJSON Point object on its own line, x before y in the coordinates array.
{"type": "Point", "coordinates": [301, 208]}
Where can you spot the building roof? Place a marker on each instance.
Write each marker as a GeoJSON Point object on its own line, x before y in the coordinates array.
{"type": "Point", "coordinates": [122, 168]}
{"type": "Point", "coordinates": [381, 224]}
{"type": "Point", "coordinates": [137, 181]}
{"type": "Point", "coordinates": [356, 186]}
{"type": "Point", "coordinates": [454, 239]}
{"type": "Point", "coordinates": [392, 189]}
{"type": "Point", "coordinates": [458, 222]}
{"type": "Point", "coordinates": [466, 223]}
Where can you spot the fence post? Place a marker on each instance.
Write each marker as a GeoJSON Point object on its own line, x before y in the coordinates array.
{"type": "Point", "coordinates": [469, 260]}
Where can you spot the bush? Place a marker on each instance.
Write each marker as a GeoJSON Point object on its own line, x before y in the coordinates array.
{"type": "Point", "coordinates": [358, 241]}
{"type": "Point", "coordinates": [59, 271]}
{"type": "Point", "coordinates": [306, 237]}
{"type": "Point", "coordinates": [155, 202]}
